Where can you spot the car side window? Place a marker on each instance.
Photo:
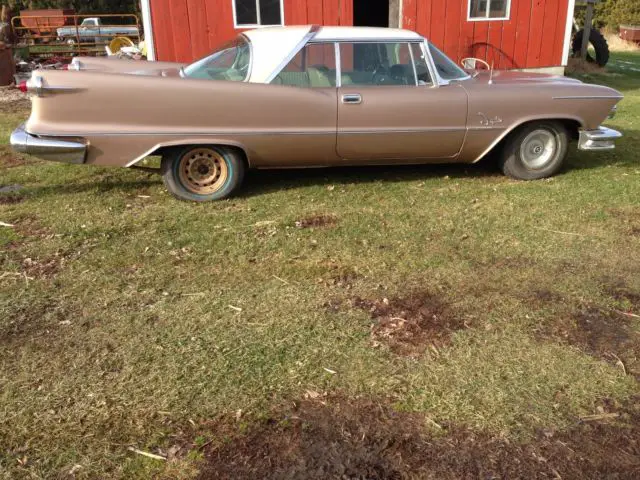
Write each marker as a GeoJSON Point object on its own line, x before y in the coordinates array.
{"type": "Point", "coordinates": [422, 65]}
{"type": "Point", "coordinates": [376, 64]}
{"type": "Point", "coordinates": [313, 67]}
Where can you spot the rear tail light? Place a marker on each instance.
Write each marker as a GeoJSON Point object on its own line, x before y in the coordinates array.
{"type": "Point", "coordinates": [23, 87]}
{"type": "Point", "coordinates": [65, 66]}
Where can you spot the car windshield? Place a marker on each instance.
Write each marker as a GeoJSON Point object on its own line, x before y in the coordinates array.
{"type": "Point", "coordinates": [230, 62]}
{"type": "Point", "coordinates": [447, 69]}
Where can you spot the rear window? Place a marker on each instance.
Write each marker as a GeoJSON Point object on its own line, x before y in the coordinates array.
{"type": "Point", "coordinates": [230, 62]}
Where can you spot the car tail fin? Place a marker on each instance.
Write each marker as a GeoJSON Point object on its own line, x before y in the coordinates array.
{"type": "Point", "coordinates": [40, 87]}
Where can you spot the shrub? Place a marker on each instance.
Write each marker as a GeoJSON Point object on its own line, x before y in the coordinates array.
{"type": "Point", "coordinates": [624, 12]}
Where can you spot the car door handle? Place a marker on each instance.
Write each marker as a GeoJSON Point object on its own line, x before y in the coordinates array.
{"type": "Point", "coordinates": [354, 98]}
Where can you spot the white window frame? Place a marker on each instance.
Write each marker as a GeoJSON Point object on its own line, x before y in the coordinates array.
{"type": "Point", "coordinates": [256, 25]}
{"type": "Point", "coordinates": [487, 18]}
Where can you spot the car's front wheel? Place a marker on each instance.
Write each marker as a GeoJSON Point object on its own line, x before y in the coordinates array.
{"type": "Point", "coordinates": [536, 150]}
{"type": "Point", "coordinates": [202, 173]}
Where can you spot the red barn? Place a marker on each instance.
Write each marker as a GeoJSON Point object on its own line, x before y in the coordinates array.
{"type": "Point", "coordinates": [511, 34]}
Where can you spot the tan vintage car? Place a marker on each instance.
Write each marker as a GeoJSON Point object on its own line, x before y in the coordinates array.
{"type": "Point", "coordinates": [307, 96]}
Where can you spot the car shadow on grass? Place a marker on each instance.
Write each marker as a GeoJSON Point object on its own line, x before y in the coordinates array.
{"type": "Point", "coordinates": [128, 186]}
{"type": "Point", "coordinates": [258, 182]}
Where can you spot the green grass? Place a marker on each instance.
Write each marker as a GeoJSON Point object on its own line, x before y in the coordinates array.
{"type": "Point", "coordinates": [120, 330]}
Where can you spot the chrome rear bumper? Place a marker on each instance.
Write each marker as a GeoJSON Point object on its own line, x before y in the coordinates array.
{"type": "Point", "coordinates": [55, 149]}
{"type": "Point", "coordinates": [600, 139]}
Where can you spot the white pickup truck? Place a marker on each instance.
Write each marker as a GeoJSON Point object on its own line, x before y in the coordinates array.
{"type": "Point", "coordinates": [91, 29]}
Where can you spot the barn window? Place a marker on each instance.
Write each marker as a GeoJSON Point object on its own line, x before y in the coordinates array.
{"type": "Point", "coordinates": [489, 9]}
{"type": "Point", "coordinates": [255, 13]}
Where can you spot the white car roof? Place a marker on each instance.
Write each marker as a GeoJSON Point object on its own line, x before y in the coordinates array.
{"type": "Point", "coordinates": [272, 47]}
{"type": "Point", "coordinates": [365, 33]}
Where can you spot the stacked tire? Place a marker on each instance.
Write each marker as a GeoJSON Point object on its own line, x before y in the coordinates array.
{"type": "Point", "coordinates": [599, 43]}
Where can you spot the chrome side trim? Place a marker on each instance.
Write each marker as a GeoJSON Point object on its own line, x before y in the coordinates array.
{"type": "Point", "coordinates": [250, 69]}
{"type": "Point", "coordinates": [338, 60]}
{"type": "Point", "coordinates": [409, 130]}
{"type": "Point", "coordinates": [267, 132]}
{"type": "Point", "coordinates": [600, 139]}
{"type": "Point", "coordinates": [197, 134]}
{"type": "Point", "coordinates": [588, 97]}
{"type": "Point", "coordinates": [75, 65]}
{"type": "Point", "coordinates": [430, 64]}
{"type": "Point", "coordinates": [486, 128]}
{"type": "Point", "coordinates": [48, 148]}
{"type": "Point", "coordinates": [413, 64]}
{"type": "Point", "coordinates": [38, 87]}
{"type": "Point", "coordinates": [306, 39]}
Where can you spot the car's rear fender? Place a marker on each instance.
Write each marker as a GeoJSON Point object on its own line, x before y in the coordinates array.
{"type": "Point", "coordinates": [164, 148]}
{"type": "Point", "coordinates": [124, 117]}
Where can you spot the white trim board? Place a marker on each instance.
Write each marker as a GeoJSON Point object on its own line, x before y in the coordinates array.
{"type": "Point", "coordinates": [567, 34]}
{"type": "Point", "coordinates": [147, 26]}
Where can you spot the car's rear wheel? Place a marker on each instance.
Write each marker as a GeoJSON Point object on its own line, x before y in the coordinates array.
{"type": "Point", "coordinates": [536, 150]}
{"type": "Point", "coordinates": [202, 173]}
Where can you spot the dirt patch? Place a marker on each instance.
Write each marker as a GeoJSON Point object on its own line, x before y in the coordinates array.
{"type": "Point", "coordinates": [13, 100]}
{"type": "Point", "coordinates": [10, 199]}
{"type": "Point", "coordinates": [339, 275]}
{"type": "Point", "coordinates": [579, 66]}
{"type": "Point", "coordinates": [19, 106]}
{"type": "Point", "coordinates": [26, 321]}
{"type": "Point", "coordinates": [546, 296]}
{"type": "Point", "coordinates": [411, 324]}
{"type": "Point", "coordinates": [28, 226]}
{"type": "Point", "coordinates": [625, 213]}
{"type": "Point", "coordinates": [42, 267]}
{"type": "Point", "coordinates": [10, 159]}
{"type": "Point", "coordinates": [317, 221]}
{"type": "Point", "coordinates": [335, 438]}
{"type": "Point", "coordinates": [625, 295]}
{"type": "Point", "coordinates": [343, 278]}
{"type": "Point", "coordinates": [609, 335]}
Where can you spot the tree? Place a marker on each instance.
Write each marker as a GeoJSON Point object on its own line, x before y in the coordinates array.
{"type": "Point", "coordinates": [612, 13]}
{"type": "Point", "coordinates": [624, 12]}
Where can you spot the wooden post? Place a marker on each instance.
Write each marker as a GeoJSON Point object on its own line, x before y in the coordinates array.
{"type": "Point", "coordinates": [586, 34]}
{"type": "Point", "coordinates": [394, 13]}
{"type": "Point", "coordinates": [588, 19]}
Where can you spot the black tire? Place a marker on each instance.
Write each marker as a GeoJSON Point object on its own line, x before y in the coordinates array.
{"type": "Point", "coordinates": [520, 158]}
{"type": "Point", "coordinates": [597, 40]}
{"type": "Point", "coordinates": [202, 173]}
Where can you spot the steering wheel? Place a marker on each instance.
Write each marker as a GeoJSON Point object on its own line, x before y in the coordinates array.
{"type": "Point", "coordinates": [379, 75]}
{"type": "Point", "coordinates": [472, 63]}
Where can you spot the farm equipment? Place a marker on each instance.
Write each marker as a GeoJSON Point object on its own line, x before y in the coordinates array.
{"type": "Point", "coordinates": [69, 34]}
{"type": "Point", "coordinates": [44, 23]}
{"type": "Point", "coordinates": [589, 35]}
{"type": "Point", "coordinates": [630, 33]}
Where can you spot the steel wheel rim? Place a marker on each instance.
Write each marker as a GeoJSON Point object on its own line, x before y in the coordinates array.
{"type": "Point", "coordinates": [538, 149]}
{"type": "Point", "coordinates": [203, 171]}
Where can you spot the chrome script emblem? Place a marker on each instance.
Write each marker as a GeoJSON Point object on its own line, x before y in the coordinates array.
{"type": "Point", "coordinates": [488, 122]}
